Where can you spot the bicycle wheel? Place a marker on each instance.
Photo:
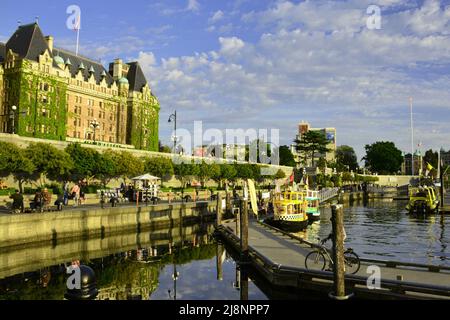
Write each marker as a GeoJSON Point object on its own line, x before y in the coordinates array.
{"type": "Point", "coordinates": [352, 263]}
{"type": "Point", "coordinates": [315, 261]}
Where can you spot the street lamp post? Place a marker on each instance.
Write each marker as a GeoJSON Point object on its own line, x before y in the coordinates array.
{"type": "Point", "coordinates": [173, 117]}
{"type": "Point", "coordinates": [13, 116]}
{"type": "Point", "coordinates": [95, 125]}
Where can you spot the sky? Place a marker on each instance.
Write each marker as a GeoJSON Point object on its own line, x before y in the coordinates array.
{"type": "Point", "coordinates": [270, 64]}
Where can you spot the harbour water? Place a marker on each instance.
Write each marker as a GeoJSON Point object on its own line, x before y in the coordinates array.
{"type": "Point", "coordinates": [157, 266]}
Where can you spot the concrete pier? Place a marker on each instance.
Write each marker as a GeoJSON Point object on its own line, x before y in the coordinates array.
{"type": "Point", "coordinates": [23, 229]}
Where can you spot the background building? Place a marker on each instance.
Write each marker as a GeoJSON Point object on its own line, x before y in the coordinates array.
{"type": "Point", "coordinates": [330, 134]}
{"type": "Point", "coordinates": [62, 96]}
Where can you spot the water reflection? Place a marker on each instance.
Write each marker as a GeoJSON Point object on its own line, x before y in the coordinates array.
{"type": "Point", "coordinates": [384, 230]}
{"type": "Point", "coordinates": [164, 264]}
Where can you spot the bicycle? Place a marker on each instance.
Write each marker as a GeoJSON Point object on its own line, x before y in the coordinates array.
{"type": "Point", "coordinates": [317, 259]}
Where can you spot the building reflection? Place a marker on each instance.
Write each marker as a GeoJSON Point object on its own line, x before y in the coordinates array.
{"type": "Point", "coordinates": [130, 273]}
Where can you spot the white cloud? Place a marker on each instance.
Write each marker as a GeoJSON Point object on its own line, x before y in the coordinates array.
{"type": "Point", "coordinates": [193, 5]}
{"type": "Point", "coordinates": [230, 46]}
{"type": "Point", "coordinates": [332, 73]}
{"type": "Point", "coordinates": [216, 17]}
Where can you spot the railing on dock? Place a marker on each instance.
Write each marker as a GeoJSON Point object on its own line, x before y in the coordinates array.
{"type": "Point", "coordinates": [327, 194]}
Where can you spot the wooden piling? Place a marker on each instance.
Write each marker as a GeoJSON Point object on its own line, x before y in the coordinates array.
{"type": "Point", "coordinates": [441, 188]}
{"type": "Point", "coordinates": [228, 203]}
{"type": "Point", "coordinates": [244, 284]}
{"type": "Point", "coordinates": [219, 261]}
{"type": "Point", "coordinates": [244, 230]}
{"type": "Point", "coordinates": [238, 222]}
{"type": "Point", "coordinates": [338, 252]}
{"type": "Point", "coordinates": [219, 209]}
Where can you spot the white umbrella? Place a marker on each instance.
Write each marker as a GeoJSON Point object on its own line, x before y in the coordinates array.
{"type": "Point", "coordinates": [146, 177]}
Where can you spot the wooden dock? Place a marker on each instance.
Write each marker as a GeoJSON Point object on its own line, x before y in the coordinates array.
{"type": "Point", "coordinates": [280, 258]}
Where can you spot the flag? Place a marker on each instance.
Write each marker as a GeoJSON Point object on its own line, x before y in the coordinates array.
{"type": "Point", "coordinates": [291, 178]}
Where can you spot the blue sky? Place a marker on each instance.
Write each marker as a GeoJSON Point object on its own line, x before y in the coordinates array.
{"type": "Point", "coordinates": [273, 63]}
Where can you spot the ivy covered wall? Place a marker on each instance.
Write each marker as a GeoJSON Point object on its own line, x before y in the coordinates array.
{"type": "Point", "coordinates": [144, 130]}
{"type": "Point", "coordinates": [41, 102]}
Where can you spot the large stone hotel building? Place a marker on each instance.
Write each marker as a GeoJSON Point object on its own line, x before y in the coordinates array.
{"type": "Point", "coordinates": [62, 96]}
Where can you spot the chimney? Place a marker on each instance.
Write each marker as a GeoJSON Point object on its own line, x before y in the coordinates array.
{"type": "Point", "coordinates": [49, 40]}
{"type": "Point", "coordinates": [118, 69]}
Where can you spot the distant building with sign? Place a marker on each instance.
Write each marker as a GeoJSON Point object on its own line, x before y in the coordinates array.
{"type": "Point", "coordinates": [330, 134]}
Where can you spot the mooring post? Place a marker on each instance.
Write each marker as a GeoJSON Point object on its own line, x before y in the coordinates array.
{"type": "Point", "coordinates": [219, 209]}
{"type": "Point", "coordinates": [219, 261]}
{"type": "Point", "coordinates": [238, 222]}
{"type": "Point", "coordinates": [244, 231]}
{"type": "Point", "coordinates": [243, 284]}
{"type": "Point", "coordinates": [337, 220]}
{"type": "Point", "coordinates": [441, 188]}
{"type": "Point", "coordinates": [228, 203]}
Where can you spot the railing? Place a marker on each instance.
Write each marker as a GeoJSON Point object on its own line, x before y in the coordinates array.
{"type": "Point", "coordinates": [327, 194]}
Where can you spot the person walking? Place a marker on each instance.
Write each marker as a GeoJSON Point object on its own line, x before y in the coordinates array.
{"type": "Point", "coordinates": [17, 205]}
{"type": "Point", "coordinates": [76, 195]}
{"type": "Point", "coordinates": [66, 193]}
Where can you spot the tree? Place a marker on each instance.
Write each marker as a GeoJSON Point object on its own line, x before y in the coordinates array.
{"type": "Point", "coordinates": [261, 147]}
{"type": "Point", "coordinates": [280, 175]}
{"type": "Point", "coordinates": [49, 162]}
{"type": "Point", "coordinates": [208, 171]}
{"type": "Point", "coordinates": [322, 164]}
{"type": "Point", "coordinates": [286, 157]}
{"type": "Point", "coordinates": [106, 168]}
{"type": "Point", "coordinates": [311, 143]}
{"type": "Point", "coordinates": [128, 166]}
{"type": "Point", "coordinates": [164, 148]}
{"type": "Point", "coordinates": [431, 158]}
{"type": "Point", "coordinates": [160, 167]}
{"type": "Point", "coordinates": [227, 173]}
{"type": "Point", "coordinates": [346, 159]}
{"type": "Point", "coordinates": [13, 161]}
{"type": "Point", "coordinates": [185, 172]}
{"type": "Point", "coordinates": [383, 157]}
{"type": "Point", "coordinates": [244, 171]}
{"type": "Point", "coordinates": [85, 160]}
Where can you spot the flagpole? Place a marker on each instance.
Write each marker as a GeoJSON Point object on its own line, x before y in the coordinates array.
{"type": "Point", "coordinates": [412, 136]}
{"type": "Point", "coordinates": [78, 40]}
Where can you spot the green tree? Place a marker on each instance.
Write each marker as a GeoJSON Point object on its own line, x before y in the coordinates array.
{"type": "Point", "coordinates": [431, 157]}
{"type": "Point", "coordinates": [127, 165]}
{"type": "Point", "coordinates": [310, 144]}
{"type": "Point", "coordinates": [13, 161]}
{"type": "Point", "coordinates": [346, 159]}
{"type": "Point", "coordinates": [280, 175]}
{"type": "Point", "coordinates": [244, 171]}
{"type": "Point", "coordinates": [383, 157]}
{"type": "Point", "coordinates": [207, 172]}
{"type": "Point", "coordinates": [186, 172]}
{"type": "Point", "coordinates": [261, 147]}
{"type": "Point", "coordinates": [164, 148]}
{"type": "Point", "coordinates": [85, 160]}
{"type": "Point", "coordinates": [106, 169]}
{"type": "Point", "coordinates": [160, 167]}
{"type": "Point", "coordinates": [322, 164]}
{"type": "Point", "coordinates": [49, 162]}
{"type": "Point", "coordinates": [227, 173]}
{"type": "Point", "coordinates": [286, 157]}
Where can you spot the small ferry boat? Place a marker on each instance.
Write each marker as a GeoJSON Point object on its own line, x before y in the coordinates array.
{"type": "Point", "coordinates": [313, 210]}
{"type": "Point", "coordinates": [289, 211]}
{"type": "Point", "coordinates": [422, 200]}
